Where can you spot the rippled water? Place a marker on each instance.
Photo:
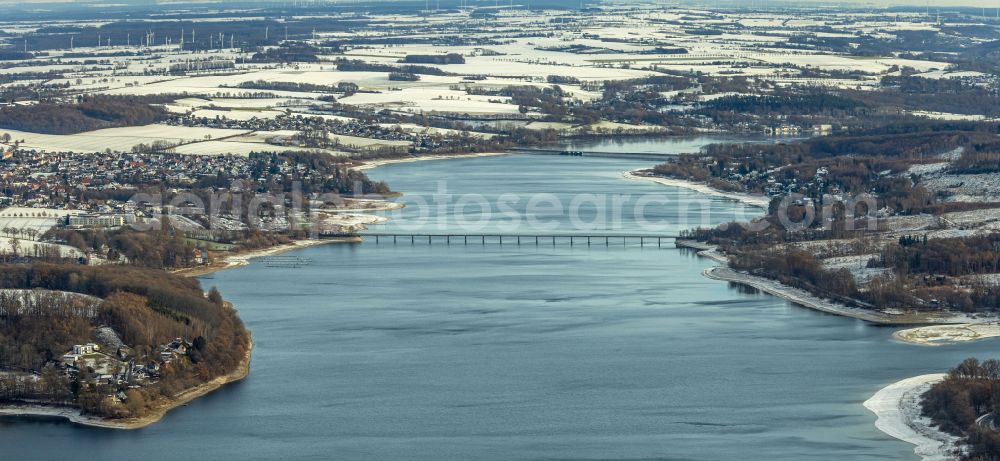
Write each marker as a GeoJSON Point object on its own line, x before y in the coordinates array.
{"type": "Point", "coordinates": [489, 352]}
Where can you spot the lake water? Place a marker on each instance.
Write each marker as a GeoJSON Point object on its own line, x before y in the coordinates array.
{"type": "Point", "coordinates": [504, 352]}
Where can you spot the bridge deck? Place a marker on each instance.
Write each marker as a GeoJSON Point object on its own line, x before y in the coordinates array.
{"type": "Point", "coordinates": [518, 239]}
{"type": "Point", "coordinates": [626, 155]}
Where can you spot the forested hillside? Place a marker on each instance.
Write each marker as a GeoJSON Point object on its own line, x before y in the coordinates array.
{"type": "Point", "coordinates": [970, 391]}
{"type": "Point", "coordinates": [145, 308]}
{"type": "Point", "coordinates": [86, 114]}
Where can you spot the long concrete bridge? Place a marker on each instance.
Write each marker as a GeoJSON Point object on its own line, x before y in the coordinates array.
{"type": "Point", "coordinates": [518, 239]}
{"type": "Point", "coordinates": [584, 153]}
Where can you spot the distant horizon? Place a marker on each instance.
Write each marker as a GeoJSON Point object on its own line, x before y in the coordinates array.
{"type": "Point", "coordinates": [988, 4]}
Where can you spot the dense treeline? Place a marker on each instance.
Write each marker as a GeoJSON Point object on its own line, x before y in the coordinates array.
{"type": "Point", "coordinates": [799, 269]}
{"type": "Point", "coordinates": [39, 326]}
{"type": "Point", "coordinates": [926, 273]}
{"type": "Point", "coordinates": [562, 80]}
{"type": "Point", "coordinates": [180, 296]}
{"type": "Point", "coordinates": [548, 100]}
{"type": "Point", "coordinates": [948, 256]}
{"type": "Point", "coordinates": [10, 54]}
{"type": "Point", "coordinates": [85, 114]}
{"type": "Point", "coordinates": [288, 52]}
{"type": "Point", "coordinates": [31, 91]}
{"type": "Point", "coordinates": [207, 64]}
{"type": "Point", "coordinates": [155, 248]}
{"type": "Point", "coordinates": [357, 65]}
{"type": "Point", "coordinates": [147, 308]}
{"type": "Point", "coordinates": [971, 390]}
{"type": "Point", "coordinates": [340, 87]}
{"type": "Point", "coordinates": [403, 77]}
{"type": "Point", "coordinates": [813, 103]}
{"type": "Point", "coordinates": [450, 58]}
{"type": "Point", "coordinates": [914, 93]}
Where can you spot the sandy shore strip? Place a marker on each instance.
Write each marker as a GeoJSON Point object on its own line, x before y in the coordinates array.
{"type": "Point", "coordinates": [806, 299]}
{"type": "Point", "coordinates": [759, 201]}
{"type": "Point", "coordinates": [73, 414]}
{"type": "Point", "coordinates": [941, 335]}
{"type": "Point", "coordinates": [897, 409]}
{"type": "Point", "coordinates": [369, 164]}
{"type": "Point", "coordinates": [938, 328]}
{"type": "Point", "coordinates": [243, 258]}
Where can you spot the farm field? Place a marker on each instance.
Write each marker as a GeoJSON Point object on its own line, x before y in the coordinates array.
{"type": "Point", "coordinates": [229, 91]}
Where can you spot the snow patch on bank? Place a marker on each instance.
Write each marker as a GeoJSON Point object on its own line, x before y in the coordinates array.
{"type": "Point", "coordinates": [897, 408]}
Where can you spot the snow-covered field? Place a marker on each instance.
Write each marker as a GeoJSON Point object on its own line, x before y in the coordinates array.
{"type": "Point", "coordinates": [34, 247]}
{"type": "Point", "coordinates": [118, 139]}
{"type": "Point", "coordinates": [433, 99]}
{"type": "Point", "coordinates": [28, 225]}
{"type": "Point", "coordinates": [966, 187]}
{"type": "Point", "coordinates": [518, 48]}
{"type": "Point", "coordinates": [23, 219]}
{"type": "Point", "coordinates": [857, 265]}
{"type": "Point", "coordinates": [225, 147]}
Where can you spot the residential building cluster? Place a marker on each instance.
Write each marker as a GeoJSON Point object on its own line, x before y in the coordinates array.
{"type": "Point", "coordinates": [121, 366]}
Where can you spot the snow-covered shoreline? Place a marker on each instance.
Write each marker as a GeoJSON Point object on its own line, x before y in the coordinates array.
{"type": "Point", "coordinates": [53, 411]}
{"type": "Point", "coordinates": [938, 329]}
{"type": "Point", "coordinates": [758, 201]}
{"type": "Point", "coordinates": [897, 409]}
{"type": "Point", "coordinates": [798, 296]}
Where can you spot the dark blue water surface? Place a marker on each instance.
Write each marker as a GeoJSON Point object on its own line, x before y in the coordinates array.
{"type": "Point", "coordinates": [505, 352]}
